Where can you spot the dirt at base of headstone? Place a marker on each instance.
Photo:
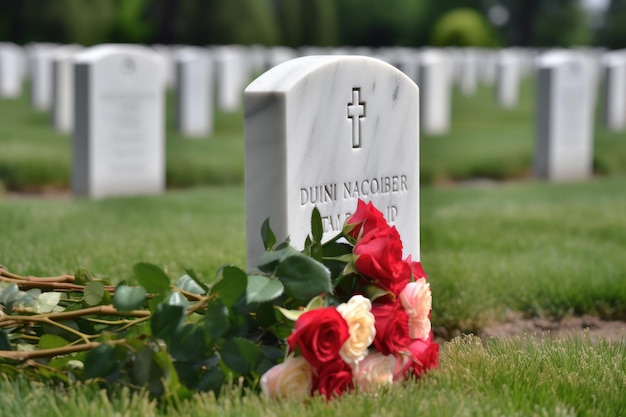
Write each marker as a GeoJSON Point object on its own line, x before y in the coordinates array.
{"type": "Point", "coordinates": [596, 328]}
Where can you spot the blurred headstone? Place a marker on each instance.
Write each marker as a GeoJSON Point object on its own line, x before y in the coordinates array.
{"type": "Point", "coordinates": [564, 118]}
{"type": "Point", "coordinates": [63, 88]}
{"type": "Point", "coordinates": [194, 92]}
{"type": "Point", "coordinates": [119, 145]}
{"type": "Point", "coordinates": [614, 106]}
{"type": "Point", "coordinates": [41, 76]}
{"type": "Point", "coordinates": [232, 76]}
{"type": "Point", "coordinates": [11, 70]}
{"type": "Point", "coordinates": [435, 84]}
{"type": "Point", "coordinates": [507, 79]}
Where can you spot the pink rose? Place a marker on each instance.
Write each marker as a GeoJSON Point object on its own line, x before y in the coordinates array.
{"type": "Point", "coordinates": [417, 301]}
{"type": "Point", "coordinates": [290, 379]}
{"type": "Point", "coordinates": [424, 355]}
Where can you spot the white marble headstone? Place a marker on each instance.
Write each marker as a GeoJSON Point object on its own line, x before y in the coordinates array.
{"type": "Point", "coordinates": [435, 83]}
{"type": "Point", "coordinates": [62, 101]}
{"type": "Point", "coordinates": [507, 79]}
{"type": "Point", "coordinates": [614, 107]}
{"type": "Point", "coordinates": [324, 131]}
{"type": "Point", "coordinates": [41, 76]}
{"type": "Point", "coordinates": [194, 92]}
{"type": "Point", "coordinates": [119, 146]}
{"type": "Point", "coordinates": [231, 75]}
{"type": "Point", "coordinates": [11, 70]}
{"type": "Point", "coordinates": [564, 118]}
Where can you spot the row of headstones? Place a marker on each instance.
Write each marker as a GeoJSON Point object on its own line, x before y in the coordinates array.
{"type": "Point", "coordinates": [320, 131]}
{"type": "Point", "coordinates": [119, 123]}
{"type": "Point", "coordinates": [192, 70]}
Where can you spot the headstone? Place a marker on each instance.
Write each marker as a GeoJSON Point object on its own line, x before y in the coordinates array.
{"type": "Point", "coordinates": [63, 88]}
{"type": "Point", "coordinates": [614, 107]}
{"type": "Point", "coordinates": [41, 76]}
{"type": "Point", "coordinates": [231, 75]}
{"type": "Point", "coordinates": [167, 54]}
{"type": "Point", "coordinates": [435, 92]}
{"type": "Point", "coordinates": [119, 146]}
{"type": "Point", "coordinates": [11, 70]}
{"type": "Point", "coordinates": [279, 54]}
{"type": "Point", "coordinates": [564, 118]}
{"type": "Point", "coordinates": [323, 131]}
{"type": "Point", "coordinates": [468, 71]}
{"type": "Point", "coordinates": [507, 79]}
{"type": "Point", "coordinates": [194, 92]}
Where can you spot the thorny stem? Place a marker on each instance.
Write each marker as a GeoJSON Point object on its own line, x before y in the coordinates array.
{"type": "Point", "coordinates": [49, 353]}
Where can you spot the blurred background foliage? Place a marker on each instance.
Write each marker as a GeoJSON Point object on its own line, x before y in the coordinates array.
{"type": "Point", "coordinates": [318, 22]}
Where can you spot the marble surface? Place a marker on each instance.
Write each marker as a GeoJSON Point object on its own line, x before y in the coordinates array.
{"type": "Point", "coordinates": [62, 113]}
{"type": "Point", "coordinates": [119, 145]}
{"type": "Point", "coordinates": [323, 131]}
{"type": "Point", "coordinates": [11, 70]}
{"type": "Point", "coordinates": [564, 118]}
{"type": "Point", "coordinates": [614, 97]}
{"type": "Point", "coordinates": [194, 92]}
{"type": "Point", "coordinates": [435, 84]}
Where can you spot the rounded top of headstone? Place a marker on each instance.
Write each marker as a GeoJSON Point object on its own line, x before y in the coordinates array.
{"type": "Point", "coordinates": [432, 55]}
{"type": "Point", "coordinates": [98, 52]}
{"type": "Point", "coordinates": [555, 57]}
{"type": "Point", "coordinates": [287, 75]}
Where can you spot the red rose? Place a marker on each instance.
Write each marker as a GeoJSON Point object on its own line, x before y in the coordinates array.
{"type": "Point", "coordinates": [392, 328]}
{"type": "Point", "coordinates": [333, 379]}
{"type": "Point", "coordinates": [416, 268]}
{"type": "Point", "coordinates": [425, 356]}
{"type": "Point", "coordinates": [364, 220]}
{"type": "Point", "coordinates": [379, 259]}
{"type": "Point", "coordinates": [319, 334]}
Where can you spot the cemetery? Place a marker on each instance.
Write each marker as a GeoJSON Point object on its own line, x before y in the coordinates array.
{"type": "Point", "coordinates": [178, 222]}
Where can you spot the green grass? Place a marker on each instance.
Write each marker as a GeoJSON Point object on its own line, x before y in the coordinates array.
{"type": "Point", "coordinates": [515, 377]}
{"type": "Point", "coordinates": [536, 248]}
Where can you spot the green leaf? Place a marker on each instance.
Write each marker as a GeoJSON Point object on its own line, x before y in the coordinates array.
{"type": "Point", "coordinates": [267, 235]}
{"type": "Point", "coordinates": [304, 277]}
{"type": "Point", "coordinates": [187, 283]}
{"type": "Point", "coordinates": [197, 279]}
{"type": "Point", "coordinates": [315, 303]}
{"type": "Point", "coordinates": [241, 355]}
{"type": "Point", "coordinates": [94, 292]}
{"type": "Point", "coordinates": [177, 299]}
{"type": "Point", "coordinates": [232, 286]}
{"type": "Point", "coordinates": [82, 277]}
{"type": "Point", "coordinates": [151, 277]}
{"type": "Point", "coordinates": [51, 341]}
{"type": "Point", "coordinates": [147, 372]}
{"type": "Point", "coordinates": [212, 381]}
{"type": "Point", "coordinates": [4, 341]}
{"type": "Point", "coordinates": [188, 344]}
{"type": "Point", "coordinates": [7, 294]}
{"type": "Point", "coordinates": [47, 302]}
{"type": "Point", "coordinates": [99, 361]}
{"type": "Point", "coordinates": [317, 230]}
{"type": "Point", "coordinates": [166, 321]}
{"type": "Point", "coordinates": [128, 298]}
{"type": "Point", "coordinates": [270, 260]}
{"type": "Point", "coordinates": [216, 320]}
{"type": "Point", "coordinates": [261, 288]}
{"type": "Point", "coordinates": [291, 314]}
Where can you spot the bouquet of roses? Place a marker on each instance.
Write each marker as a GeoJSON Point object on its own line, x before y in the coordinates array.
{"type": "Point", "coordinates": [345, 314]}
{"type": "Point", "coordinates": [373, 330]}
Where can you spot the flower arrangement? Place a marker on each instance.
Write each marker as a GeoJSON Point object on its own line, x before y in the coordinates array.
{"type": "Point", "coordinates": [346, 314]}
{"type": "Point", "coordinates": [380, 333]}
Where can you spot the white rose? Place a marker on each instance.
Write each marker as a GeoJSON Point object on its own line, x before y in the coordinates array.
{"type": "Point", "coordinates": [375, 371]}
{"type": "Point", "coordinates": [417, 301]}
{"type": "Point", "coordinates": [357, 314]}
{"type": "Point", "coordinates": [290, 379]}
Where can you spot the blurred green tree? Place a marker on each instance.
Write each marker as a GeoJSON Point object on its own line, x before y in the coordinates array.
{"type": "Point", "coordinates": [464, 27]}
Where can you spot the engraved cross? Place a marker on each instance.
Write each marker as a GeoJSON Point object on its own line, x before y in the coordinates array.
{"type": "Point", "coordinates": [356, 111]}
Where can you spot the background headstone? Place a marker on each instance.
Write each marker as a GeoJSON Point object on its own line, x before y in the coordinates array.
{"type": "Point", "coordinates": [614, 107]}
{"type": "Point", "coordinates": [41, 76]}
{"type": "Point", "coordinates": [194, 92]}
{"type": "Point", "coordinates": [11, 70]}
{"type": "Point", "coordinates": [62, 101]}
{"type": "Point", "coordinates": [508, 79]}
{"type": "Point", "coordinates": [324, 131]}
{"type": "Point", "coordinates": [435, 92]}
{"type": "Point", "coordinates": [564, 118]}
{"type": "Point", "coordinates": [119, 146]}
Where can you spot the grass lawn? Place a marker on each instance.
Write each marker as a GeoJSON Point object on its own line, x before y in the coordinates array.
{"type": "Point", "coordinates": [521, 247]}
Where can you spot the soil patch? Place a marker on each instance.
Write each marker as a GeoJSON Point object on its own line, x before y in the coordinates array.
{"type": "Point", "coordinates": [596, 328]}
